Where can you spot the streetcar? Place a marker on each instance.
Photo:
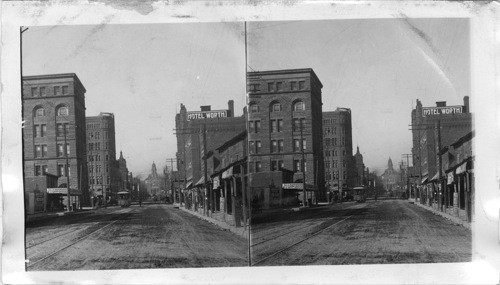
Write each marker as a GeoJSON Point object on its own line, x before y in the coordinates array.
{"type": "Point", "coordinates": [124, 198]}
{"type": "Point", "coordinates": [360, 194]}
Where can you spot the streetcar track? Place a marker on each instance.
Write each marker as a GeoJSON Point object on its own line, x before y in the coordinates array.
{"type": "Point", "coordinates": [307, 237]}
{"type": "Point", "coordinates": [121, 217]}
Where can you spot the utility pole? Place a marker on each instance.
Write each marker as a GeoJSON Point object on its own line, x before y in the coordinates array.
{"type": "Point", "coordinates": [407, 155]}
{"type": "Point", "coordinates": [303, 163]}
{"type": "Point", "coordinates": [440, 161]}
{"type": "Point", "coordinates": [66, 169]}
{"type": "Point", "coordinates": [172, 194]}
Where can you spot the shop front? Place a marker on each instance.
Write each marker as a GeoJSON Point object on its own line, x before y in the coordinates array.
{"type": "Point", "coordinates": [57, 199]}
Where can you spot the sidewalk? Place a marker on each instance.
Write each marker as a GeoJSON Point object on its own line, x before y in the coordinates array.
{"type": "Point", "coordinates": [51, 215]}
{"type": "Point", "coordinates": [241, 231]}
{"type": "Point", "coordinates": [454, 219]}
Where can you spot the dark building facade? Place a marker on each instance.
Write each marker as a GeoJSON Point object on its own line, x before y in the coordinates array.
{"type": "Point", "coordinates": [285, 130]}
{"type": "Point", "coordinates": [122, 173]}
{"type": "Point", "coordinates": [54, 134]}
{"type": "Point", "coordinates": [434, 127]}
{"type": "Point", "coordinates": [101, 154]}
{"type": "Point", "coordinates": [340, 167]}
{"type": "Point", "coordinates": [360, 176]}
{"type": "Point", "coordinates": [198, 133]}
{"type": "Point", "coordinates": [391, 178]}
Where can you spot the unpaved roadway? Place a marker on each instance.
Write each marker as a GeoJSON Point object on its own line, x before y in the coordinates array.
{"type": "Point", "coordinates": [387, 231]}
{"type": "Point", "coordinates": [151, 236]}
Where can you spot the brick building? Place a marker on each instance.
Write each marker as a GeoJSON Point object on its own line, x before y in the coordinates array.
{"type": "Point", "coordinates": [434, 127]}
{"type": "Point", "coordinates": [285, 130]}
{"type": "Point", "coordinates": [199, 132]}
{"type": "Point", "coordinates": [54, 133]}
{"type": "Point", "coordinates": [101, 154]}
{"type": "Point", "coordinates": [340, 166]}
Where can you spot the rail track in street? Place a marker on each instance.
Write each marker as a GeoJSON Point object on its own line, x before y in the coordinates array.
{"type": "Point", "coordinates": [308, 236]}
{"type": "Point", "coordinates": [120, 216]}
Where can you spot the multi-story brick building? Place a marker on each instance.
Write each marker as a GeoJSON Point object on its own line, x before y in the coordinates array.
{"type": "Point", "coordinates": [340, 166]}
{"type": "Point", "coordinates": [434, 127]}
{"type": "Point", "coordinates": [197, 130]}
{"type": "Point", "coordinates": [285, 129]}
{"type": "Point", "coordinates": [54, 137]}
{"type": "Point", "coordinates": [101, 154]}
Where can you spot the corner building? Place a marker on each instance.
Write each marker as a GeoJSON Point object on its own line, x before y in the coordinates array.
{"type": "Point", "coordinates": [54, 134]}
{"type": "Point", "coordinates": [285, 131]}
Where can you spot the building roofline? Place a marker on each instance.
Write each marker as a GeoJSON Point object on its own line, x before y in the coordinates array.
{"type": "Point", "coordinates": [232, 140]}
{"type": "Point", "coordinates": [286, 71]}
{"type": "Point", "coordinates": [55, 75]}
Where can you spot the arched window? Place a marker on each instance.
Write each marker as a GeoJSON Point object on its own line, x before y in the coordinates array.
{"type": "Point", "coordinates": [254, 108]}
{"type": "Point", "coordinates": [299, 106]}
{"type": "Point", "coordinates": [275, 107]}
{"type": "Point", "coordinates": [39, 111]}
{"type": "Point", "coordinates": [62, 111]}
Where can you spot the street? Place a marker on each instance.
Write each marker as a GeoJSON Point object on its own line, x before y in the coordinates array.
{"type": "Point", "coordinates": [151, 236]}
{"type": "Point", "coordinates": [381, 232]}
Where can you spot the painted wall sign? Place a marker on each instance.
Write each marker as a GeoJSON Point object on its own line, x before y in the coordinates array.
{"type": "Point", "coordinates": [206, 115]}
{"type": "Point", "coordinates": [448, 110]}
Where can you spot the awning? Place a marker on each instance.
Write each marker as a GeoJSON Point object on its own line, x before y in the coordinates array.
{"type": "Point", "coordinates": [201, 181]}
{"type": "Point", "coordinates": [189, 184]}
{"type": "Point", "coordinates": [435, 177]}
{"type": "Point", "coordinates": [426, 178]}
{"type": "Point", "coordinates": [216, 182]}
{"type": "Point", "coordinates": [228, 173]}
{"type": "Point", "coordinates": [74, 192]}
{"type": "Point", "coordinates": [297, 186]}
{"type": "Point", "coordinates": [462, 168]}
{"type": "Point", "coordinates": [450, 178]}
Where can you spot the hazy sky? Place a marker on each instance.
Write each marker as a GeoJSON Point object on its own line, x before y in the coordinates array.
{"type": "Point", "coordinates": [142, 73]}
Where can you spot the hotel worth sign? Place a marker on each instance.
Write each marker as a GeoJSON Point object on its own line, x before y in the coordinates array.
{"type": "Point", "coordinates": [206, 115]}
{"type": "Point", "coordinates": [448, 110]}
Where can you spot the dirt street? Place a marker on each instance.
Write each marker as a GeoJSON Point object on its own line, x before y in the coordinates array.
{"type": "Point", "coordinates": [387, 231]}
{"type": "Point", "coordinates": [152, 236]}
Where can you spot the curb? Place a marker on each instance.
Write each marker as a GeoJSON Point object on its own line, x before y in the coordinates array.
{"type": "Point", "coordinates": [453, 219]}
{"type": "Point", "coordinates": [238, 231]}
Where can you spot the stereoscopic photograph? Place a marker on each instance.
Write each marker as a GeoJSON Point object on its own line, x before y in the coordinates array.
{"type": "Point", "coordinates": [245, 143]}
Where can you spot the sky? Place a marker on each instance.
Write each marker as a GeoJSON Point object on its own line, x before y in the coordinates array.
{"type": "Point", "coordinates": [142, 73]}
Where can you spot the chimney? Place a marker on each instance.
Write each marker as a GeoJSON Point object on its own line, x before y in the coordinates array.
{"type": "Point", "coordinates": [205, 108]}
{"type": "Point", "coordinates": [466, 104]}
{"type": "Point", "coordinates": [441, 104]}
{"type": "Point", "coordinates": [230, 106]}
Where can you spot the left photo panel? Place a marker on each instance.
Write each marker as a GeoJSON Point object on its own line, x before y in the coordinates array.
{"type": "Point", "coordinates": [129, 133]}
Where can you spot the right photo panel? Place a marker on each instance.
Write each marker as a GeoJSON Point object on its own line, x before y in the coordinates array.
{"type": "Point", "coordinates": [359, 142]}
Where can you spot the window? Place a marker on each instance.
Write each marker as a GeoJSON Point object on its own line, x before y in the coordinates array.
{"type": "Point", "coordinates": [67, 149]}
{"type": "Point", "coordinates": [108, 179]}
{"type": "Point", "coordinates": [258, 146]}
{"type": "Point", "coordinates": [62, 111]}
{"type": "Point", "coordinates": [270, 87]}
{"type": "Point", "coordinates": [276, 107]}
{"type": "Point", "coordinates": [335, 164]}
{"type": "Point", "coordinates": [44, 150]}
{"type": "Point", "coordinates": [335, 153]}
{"type": "Point", "coordinates": [40, 150]}
{"type": "Point", "coordinates": [38, 170]}
{"type": "Point", "coordinates": [299, 106]}
{"type": "Point", "coordinates": [43, 130]}
{"type": "Point", "coordinates": [327, 141]}
{"type": "Point", "coordinates": [60, 170]}
{"type": "Point", "coordinates": [258, 166]}
{"type": "Point", "coordinates": [45, 169]}
{"type": "Point", "coordinates": [42, 91]}
{"type": "Point", "coordinates": [274, 126]}
{"type": "Point", "coordinates": [91, 169]}
{"type": "Point", "coordinates": [91, 158]}
{"type": "Point", "coordinates": [107, 157]}
{"type": "Point", "coordinates": [91, 146]}
{"type": "Point", "coordinates": [293, 85]}
{"type": "Point", "coordinates": [252, 147]}
{"type": "Point", "coordinates": [97, 135]}
{"type": "Point", "coordinates": [280, 125]}
{"type": "Point", "coordinates": [98, 157]}
{"type": "Point", "coordinates": [296, 165]}
{"type": "Point", "coordinates": [279, 86]}
{"type": "Point", "coordinates": [334, 130]}
{"type": "Point", "coordinates": [343, 152]}
{"type": "Point", "coordinates": [254, 87]}
{"type": "Point", "coordinates": [304, 144]}
{"type": "Point", "coordinates": [334, 141]}
{"type": "Point", "coordinates": [297, 123]}
{"type": "Point", "coordinates": [97, 146]}
{"type": "Point", "coordinates": [254, 108]}
{"type": "Point", "coordinates": [280, 145]}
{"type": "Point", "coordinates": [296, 145]}
{"type": "Point", "coordinates": [302, 85]}
{"type": "Point", "coordinates": [37, 131]}
{"type": "Point", "coordinates": [274, 165]}
{"type": "Point", "coordinates": [257, 126]}
{"type": "Point", "coordinates": [65, 90]}
{"type": "Point", "coordinates": [39, 112]}
{"type": "Point", "coordinates": [60, 149]}
{"type": "Point", "coordinates": [34, 92]}
{"type": "Point", "coordinates": [107, 169]}
{"type": "Point", "coordinates": [57, 90]}
{"type": "Point", "coordinates": [327, 164]}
